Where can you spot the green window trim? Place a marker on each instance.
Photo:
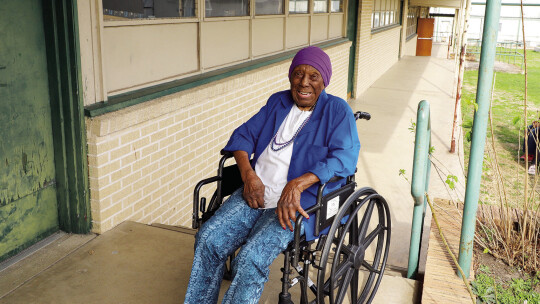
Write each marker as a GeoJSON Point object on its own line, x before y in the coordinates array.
{"type": "Point", "coordinates": [128, 99]}
{"type": "Point", "coordinates": [383, 29]}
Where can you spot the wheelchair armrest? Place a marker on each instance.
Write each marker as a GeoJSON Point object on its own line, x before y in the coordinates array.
{"type": "Point", "coordinates": [195, 219]}
{"type": "Point", "coordinates": [334, 179]}
{"type": "Point", "coordinates": [318, 210]}
{"type": "Point", "coordinates": [228, 154]}
{"type": "Point", "coordinates": [299, 218]}
{"type": "Point", "coordinates": [227, 179]}
{"type": "Point", "coordinates": [314, 209]}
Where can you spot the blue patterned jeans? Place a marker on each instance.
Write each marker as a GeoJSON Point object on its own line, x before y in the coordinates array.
{"type": "Point", "coordinates": [233, 225]}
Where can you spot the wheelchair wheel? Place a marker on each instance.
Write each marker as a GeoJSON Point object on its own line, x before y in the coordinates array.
{"type": "Point", "coordinates": [356, 250]}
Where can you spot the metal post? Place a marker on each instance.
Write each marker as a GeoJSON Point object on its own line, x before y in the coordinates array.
{"type": "Point", "coordinates": [461, 70]}
{"type": "Point", "coordinates": [483, 95]}
{"type": "Point", "coordinates": [414, 249]}
{"type": "Point", "coordinates": [419, 184]}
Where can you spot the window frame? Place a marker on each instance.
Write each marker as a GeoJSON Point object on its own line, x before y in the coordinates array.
{"type": "Point", "coordinates": [321, 13]}
{"type": "Point", "coordinates": [307, 13]}
{"type": "Point", "coordinates": [334, 30]}
{"type": "Point", "coordinates": [250, 12]}
{"type": "Point", "coordinates": [343, 3]}
{"type": "Point", "coordinates": [387, 13]}
{"type": "Point", "coordinates": [144, 21]}
{"type": "Point", "coordinates": [269, 15]}
{"type": "Point", "coordinates": [413, 13]}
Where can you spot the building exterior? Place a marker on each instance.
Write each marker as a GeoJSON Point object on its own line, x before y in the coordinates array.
{"type": "Point", "coordinates": [144, 94]}
{"type": "Point", "coordinates": [510, 24]}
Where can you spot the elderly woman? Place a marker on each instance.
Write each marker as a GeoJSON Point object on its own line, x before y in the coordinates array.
{"type": "Point", "coordinates": [300, 138]}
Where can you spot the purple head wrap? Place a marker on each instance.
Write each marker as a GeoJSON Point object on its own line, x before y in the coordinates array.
{"type": "Point", "coordinates": [316, 58]}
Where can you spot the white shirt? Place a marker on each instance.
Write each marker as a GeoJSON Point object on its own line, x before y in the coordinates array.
{"type": "Point", "coordinates": [273, 166]}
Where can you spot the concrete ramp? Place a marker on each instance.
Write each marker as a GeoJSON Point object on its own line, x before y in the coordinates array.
{"type": "Point", "coordinates": [388, 142]}
{"type": "Point", "coordinates": [136, 263]}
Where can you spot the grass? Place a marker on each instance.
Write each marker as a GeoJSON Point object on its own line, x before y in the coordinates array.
{"type": "Point", "coordinates": [509, 53]}
{"type": "Point", "coordinates": [490, 289]}
{"type": "Point", "coordinates": [508, 95]}
{"type": "Point", "coordinates": [503, 180]}
{"type": "Point", "coordinates": [507, 115]}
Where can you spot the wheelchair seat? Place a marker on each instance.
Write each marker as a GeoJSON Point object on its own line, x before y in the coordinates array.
{"type": "Point", "coordinates": [339, 255]}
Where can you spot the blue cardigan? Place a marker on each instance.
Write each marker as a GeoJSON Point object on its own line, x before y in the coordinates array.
{"type": "Point", "coordinates": [327, 146]}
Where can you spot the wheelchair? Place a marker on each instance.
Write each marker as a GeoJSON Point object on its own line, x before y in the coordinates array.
{"type": "Point", "coordinates": [348, 262]}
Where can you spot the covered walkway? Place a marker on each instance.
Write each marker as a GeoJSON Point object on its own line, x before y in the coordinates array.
{"type": "Point", "coordinates": [135, 263]}
{"type": "Point", "coordinates": [388, 142]}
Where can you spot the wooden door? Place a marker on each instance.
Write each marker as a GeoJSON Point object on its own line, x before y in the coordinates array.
{"type": "Point", "coordinates": [424, 41]}
{"type": "Point", "coordinates": [28, 199]}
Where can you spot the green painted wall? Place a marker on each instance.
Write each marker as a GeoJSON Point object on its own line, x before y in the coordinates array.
{"type": "Point", "coordinates": [27, 220]}
{"type": "Point", "coordinates": [28, 203]}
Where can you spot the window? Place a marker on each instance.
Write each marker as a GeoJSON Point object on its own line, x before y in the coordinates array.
{"type": "Point", "coordinates": [424, 12]}
{"type": "Point", "coordinates": [298, 6]}
{"type": "Point", "coordinates": [199, 36]}
{"type": "Point", "coordinates": [412, 20]}
{"type": "Point", "coordinates": [320, 6]}
{"type": "Point", "coordinates": [148, 9]}
{"type": "Point", "coordinates": [226, 8]}
{"type": "Point", "coordinates": [336, 6]}
{"type": "Point", "coordinates": [269, 7]}
{"type": "Point", "coordinates": [385, 13]}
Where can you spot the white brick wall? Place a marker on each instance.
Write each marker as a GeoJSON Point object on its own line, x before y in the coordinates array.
{"type": "Point", "coordinates": [145, 160]}
{"type": "Point", "coordinates": [410, 47]}
{"type": "Point", "coordinates": [375, 53]}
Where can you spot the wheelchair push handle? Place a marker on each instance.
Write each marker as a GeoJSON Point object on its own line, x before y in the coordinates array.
{"type": "Point", "coordinates": [362, 115]}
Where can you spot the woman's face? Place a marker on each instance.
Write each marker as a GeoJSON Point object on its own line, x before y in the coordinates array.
{"type": "Point", "coordinates": [306, 86]}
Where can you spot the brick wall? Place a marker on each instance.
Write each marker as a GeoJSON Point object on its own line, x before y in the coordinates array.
{"type": "Point", "coordinates": [404, 25]}
{"type": "Point", "coordinates": [410, 47]}
{"type": "Point", "coordinates": [145, 160]}
{"type": "Point", "coordinates": [375, 53]}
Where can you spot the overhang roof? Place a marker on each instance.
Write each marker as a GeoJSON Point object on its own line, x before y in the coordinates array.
{"type": "Point", "coordinates": [436, 3]}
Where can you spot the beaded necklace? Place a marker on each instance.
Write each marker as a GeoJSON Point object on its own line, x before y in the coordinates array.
{"type": "Point", "coordinates": [276, 146]}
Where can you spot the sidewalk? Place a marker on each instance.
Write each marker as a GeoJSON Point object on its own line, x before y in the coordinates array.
{"type": "Point", "coordinates": [135, 263]}
{"type": "Point", "coordinates": [388, 144]}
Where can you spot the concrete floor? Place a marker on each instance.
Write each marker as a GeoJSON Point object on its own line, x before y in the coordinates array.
{"type": "Point", "coordinates": [136, 263]}
{"type": "Point", "coordinates": [388, 144]}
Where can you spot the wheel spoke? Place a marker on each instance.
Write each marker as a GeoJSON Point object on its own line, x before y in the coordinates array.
{"type": "Point", "coordinates": [342, 291]}
{"type": "Point", "coordinates": [347, 245]}
{"type": "Point", "coordinates": [335, 241]}
{"type": "Point", "coordinates": [343, 268]}
{"type": "Point", "coordinates": [369, 267]}
{"type": "Point", "coordinates": [365, 220]}
{"type": "Point", "coordinates": [372, 236]}
{"type": "Point", "coordinates": [346, 249]}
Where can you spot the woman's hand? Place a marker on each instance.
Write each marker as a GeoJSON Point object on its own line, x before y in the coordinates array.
{"type": "Point", "coordinates": [253, 186]}
{"type": "Point", "coordinates": [253, 190]}
{"type": "Point", "coordinates": [289, 202]}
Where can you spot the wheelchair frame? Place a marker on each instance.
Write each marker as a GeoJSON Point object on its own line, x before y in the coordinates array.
{"type": "Point", "coordinates": [348, 256]}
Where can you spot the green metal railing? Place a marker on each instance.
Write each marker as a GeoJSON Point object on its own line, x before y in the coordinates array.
{"type": "Point", "coordinates": [419, 184]}
{"type": "Point", "coordinates": [476, 157]}
{"type": "Point", "coordinates": [508, 51]}
{"type": "Point", "coordinates": [422, 164]}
